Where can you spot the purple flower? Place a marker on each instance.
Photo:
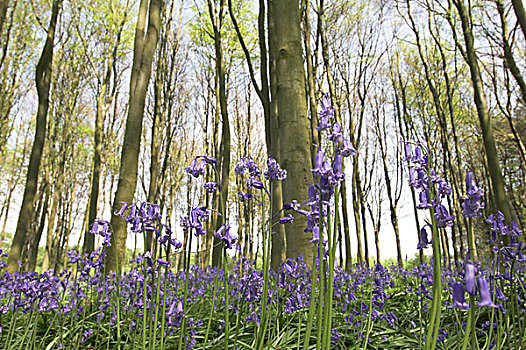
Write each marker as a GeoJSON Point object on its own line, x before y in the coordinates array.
{"type": "Point", "coordinates": [274, 171]}
{"type": "Point", "coordinates": [459, 299]}
{"type": "Point", "coordinates": [163, 262]}
{"type": "Point", "coordinates": [336, 133]}
{"type": "Point", "coordinates": [211, 186]}
{"type": "Point", "coordinates": [470, 271]}
{"type": "Point", "coordinates": [485, 296]}
{"type": "Point", "coordinates": [337, 168]}
{"type": "Point", "coordinates": [286, 219]}
{"type": "Point", "coordinates": [244, 196]}
{"type": "Point", "coordinates": [196, 168]}
{"type": "Point", "coordinates": [223, 233]}
{"type": "Point", "coordinates": [407, 152]}
{"type": "Point", "coordinates": [252, 182]}
{"type": "Point", "coordinates": [442, 216]}
{"type": "Point", "coordinates": [424, 241]}
{"type": "Point", "coordinates": [122, 210]}
{"type": "Point", "coordinates": [472, 204]}
{"type": "Point", "coordinates": [347, 149]}
{"type": "Point", "coordinates": [326, 112]}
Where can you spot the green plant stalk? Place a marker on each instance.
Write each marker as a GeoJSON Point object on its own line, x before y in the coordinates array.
{"type": "Point", "coordinates": [185, 292]}
{"type": "Point", "coordinates": [117, 274]}
{"type": "Point", "coordinates": [157, 296]}
{"type": "Point", "coordinates": [163, 321]}
{"type": "Point", "coordinates": [328, 278]}
{"type": "Point", "coordinates": [266, 264]}
{"type": "Point", "coordinates": [144, 293]}
{"type": "Point", "coordinates": [27, 328]}
{"type": "Point", "coordinates": [312, 301]}
{"type": "Point", "coordinates": [12, 326]}
{"type": "Point", "coordinates": [207, 332]}
{"type": "Point", "coordinates": [227, 297]}
{"type": "Point", "coordinates": [470, 333]}
{"type": "Point", "coordinates": [369, 316]}
{"type": "Point", "coordinates": [332, 259]}
{"type": "Point", "coordinates": [436, 308]}
{"type": "Point", "coordinates": [321, 282]}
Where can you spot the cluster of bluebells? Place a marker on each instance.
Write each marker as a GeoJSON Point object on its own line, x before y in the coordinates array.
{"type": "Point", "coordinates": [195, 220]}
{"type": "Point", "coordinates": [433, 189]}
{"type": "Point", "coordinates": [474, 286]}
{"type": "Point", "coordinates": [472, 204]}
{"type": "Point", "coordinates": [146, 217]}
{"type": "Point", "coordinates": [199, 215]}
{"type": "Point", "coordinates": [254, 181]}
{"type": "Point", "coordinates": [505, 238]}
{"type": "Point", "coordinates": [327, 173]}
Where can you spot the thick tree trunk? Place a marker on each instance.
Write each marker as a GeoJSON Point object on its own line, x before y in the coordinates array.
{"type": "Point", "coordinates": [144, 48]}
{"type": "Point", "coordinates": [295, 155]}
{"type": "Point", "coordinates": [43, 82]}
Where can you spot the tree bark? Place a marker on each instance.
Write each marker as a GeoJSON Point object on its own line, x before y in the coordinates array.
{"type": "Point", "coordinates": [43, 82]}
{"type": "Point", "coordinates": [144, 48]}
{"type": "Point", "coordinates": [295, 155]}
{"type": "Point", "coordinates": [518, 7]}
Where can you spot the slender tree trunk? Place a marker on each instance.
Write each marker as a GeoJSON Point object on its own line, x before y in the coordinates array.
{"type": "Point", "coordinates": [4, 4]}
{"type": "Point", "coordinates": [33, 248]}
{"type": "Point", "coordinates": [89, 239]}
{"type": "Point", "coordinates": [224, 149]}
{"type": "Point", "coordinates": [144, 49]}
{"type": "Point", "coordinates": [497, 181]}
{"type": "Point", "coordinates": [43, 81]}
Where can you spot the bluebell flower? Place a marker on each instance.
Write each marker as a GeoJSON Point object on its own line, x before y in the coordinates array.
{"type": "Point", "coordinates": [196, 168]}
{"type": "Point", "coordinates": [459, 300]}
{"type": "Point", "coordinates": [244, 196]}
{"type": "Point", "coordinates": [223, 233]}
{"type": "Point", "coordinates": [470, 270]}
{"type": "Point", "coordinates": [485, 296]}
{"type": "Point", "coordinates": [442, 216]}
{"type": "Point", "coordinates": [424, 241]}
{"type": "Point", "coordinates": [326, 113]}
{"type": "Point", "coordinates": [472, 204]}
{"type": "Point", "coordinates": [286, 219]}
{"type": "Point", "coordinates": [347, 149]}
{"type": "Point", "coordinates": [211, 186]}
{"type": "Point", "coordinates": [274, 171]}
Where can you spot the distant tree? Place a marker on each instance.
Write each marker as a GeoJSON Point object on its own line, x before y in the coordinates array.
{"type": "Point", "coordinates": [43, 81]}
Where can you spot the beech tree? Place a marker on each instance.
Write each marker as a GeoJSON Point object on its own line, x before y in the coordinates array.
{"type": "Point", "coordinates": [43, 81]}
{"type": "Point", "coordinates": [146, 37]}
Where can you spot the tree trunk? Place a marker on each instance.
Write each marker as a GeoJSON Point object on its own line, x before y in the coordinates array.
{"type": "Point", "coordinates": [481, 104]}
{"type": "Point", "coordinates": [43, 82]}
{"type": "Point", "coordinates": [89, 239]}
{"type": "Point", "coordinates": [295, 155]}
{"type": "Point", "coordinates": [224, 149]}
{"type": "Point", "coordinates": [144, 49]}
{"type": "Point", "coordinates": [518, 7]}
